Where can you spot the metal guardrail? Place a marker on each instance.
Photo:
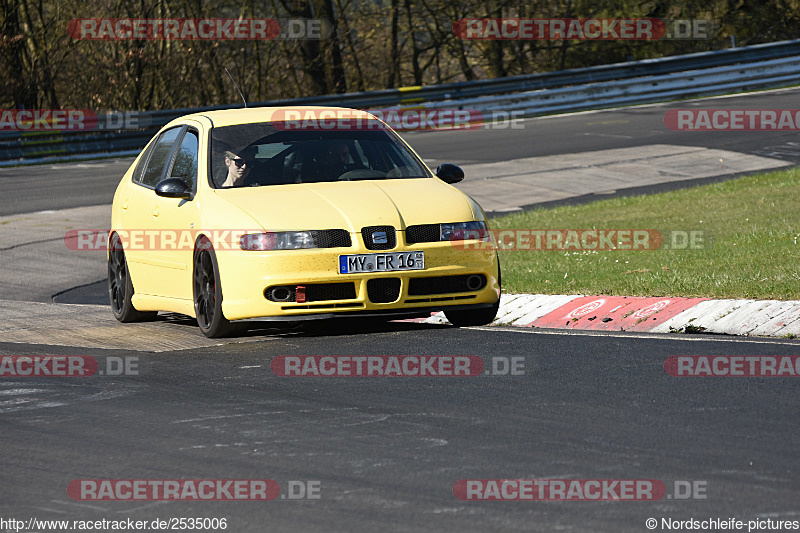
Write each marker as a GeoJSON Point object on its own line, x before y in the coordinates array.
{"type": "Point", "coordinates": [643, 90]}
{"type": "Point", "coordinates": [702, 74]}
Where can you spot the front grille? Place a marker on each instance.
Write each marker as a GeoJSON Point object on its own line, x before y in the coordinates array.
{"type": "Point", "coordinates": [383, 290]}
{"type": "Point", "coordinates": [368, 233]}
{"type": "Point", "coordinates": [331, 238]}
{"type": "Point", "coordinates": [317, 292]}
{"type": "Point", "coordinates": [423, 233]}
{"type": "Point", "coordinates": [446, 284]}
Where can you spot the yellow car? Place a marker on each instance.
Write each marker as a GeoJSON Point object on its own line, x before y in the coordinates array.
{"type": "Point", "coordinates": [249, 214]}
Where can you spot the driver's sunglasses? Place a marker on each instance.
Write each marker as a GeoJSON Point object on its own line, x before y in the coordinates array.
{"type": "Point", "coordinates": [240, 162]}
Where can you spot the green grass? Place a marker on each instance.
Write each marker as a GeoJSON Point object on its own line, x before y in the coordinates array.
{"type": "Point", "coordinates": [752, 229]}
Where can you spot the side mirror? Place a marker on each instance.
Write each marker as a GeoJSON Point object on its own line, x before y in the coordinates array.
{"type": "Point", "coordinates": [449, 173]}
{"type": "Point", "coordinates": [173, 188]}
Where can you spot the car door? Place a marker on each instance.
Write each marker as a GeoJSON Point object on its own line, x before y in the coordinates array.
{"type": "Point", "coordinates": [138, 223]}
{"type": "Point", "coordinates": [175, 220]}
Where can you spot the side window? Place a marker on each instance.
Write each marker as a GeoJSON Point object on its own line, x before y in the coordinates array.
{"type": "Point", "coordinates": [137, 173]}
{"type": "Point", "coordinates": [185, 166]}
{"type": "Point", "coordinates": [159, 157]}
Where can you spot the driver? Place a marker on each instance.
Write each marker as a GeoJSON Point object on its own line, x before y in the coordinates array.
{"type": "Point", "coordinates": [239, 165]}
{"type": "Point", "coordinates": [338, 159]}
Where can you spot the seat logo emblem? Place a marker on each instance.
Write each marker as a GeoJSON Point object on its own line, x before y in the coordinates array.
{"type": "Point", "coordinates": [379, 237]}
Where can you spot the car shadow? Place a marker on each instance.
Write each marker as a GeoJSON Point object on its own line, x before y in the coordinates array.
{"type": "Point", "coordinates": [330, 327]}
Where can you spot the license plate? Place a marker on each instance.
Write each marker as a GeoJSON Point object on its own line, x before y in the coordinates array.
{"type": "Point", "coordinates": [389, 262]}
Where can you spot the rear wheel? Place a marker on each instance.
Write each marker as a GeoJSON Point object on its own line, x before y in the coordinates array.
{"type": "Point", "coordinates": [120, 286]}
{"type": "Point", "coordinates": [208, 293]}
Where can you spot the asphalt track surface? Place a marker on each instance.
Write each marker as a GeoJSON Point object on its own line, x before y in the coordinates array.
{"type": "Point", "coordinates": [36, 188]}
{"type": "Point", "coordinates": [387, 451]}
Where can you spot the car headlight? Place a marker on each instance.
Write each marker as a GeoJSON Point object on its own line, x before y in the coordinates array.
{"type": "Point", "coordinates": [282, 240]}
{"type": "Point", "coordinates": [464, 231]}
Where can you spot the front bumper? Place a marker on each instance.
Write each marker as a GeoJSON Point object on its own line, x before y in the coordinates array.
{"type": "Point", "coordinates": [244, 276]}
{"type": "Point", "coordinates": [388, 314]}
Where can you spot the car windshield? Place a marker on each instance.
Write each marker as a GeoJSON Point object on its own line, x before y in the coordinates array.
{"type": "Point", "coordinates": [248, 155]}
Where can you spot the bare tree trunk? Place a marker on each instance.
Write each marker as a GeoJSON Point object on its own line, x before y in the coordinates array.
{"type": "Point", "coordinates": [393, 72]}
{"type": "Point", "coordinates": [414, 50]}
{"type": "Point", "coordinates": [466, 68]}
{"type": "Point", "coordinates": [38, 54]}
{"type": "Point", "coordinates": [351, 47]}
{"type": "Point", "coordinates": [311, 56]}
{"type": "Point", "coordinates": [565, 44]}
{"type": "Point", "coordinates": [18, 89]}
{"type": "Point", "coordinates": [494, 50]}
{"type": "Point", "coordinates": [338, 80]}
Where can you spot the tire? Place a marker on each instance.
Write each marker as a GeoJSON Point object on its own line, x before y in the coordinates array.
{"type": "Point", "coordinates": [476, 317]}
{"type": "Point", "coordinates": [207, 292]}
{"type": "Point", "coordinates": [120, 286]}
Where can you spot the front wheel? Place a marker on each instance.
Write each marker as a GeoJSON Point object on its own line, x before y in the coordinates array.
{"type": "Point", "coordinates": [120, 286]}
{"type": "Point", "coordinates": [208, 293]}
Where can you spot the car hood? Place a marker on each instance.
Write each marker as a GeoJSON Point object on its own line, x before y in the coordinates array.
{"type": "Point", "coordinates": [351, 205]}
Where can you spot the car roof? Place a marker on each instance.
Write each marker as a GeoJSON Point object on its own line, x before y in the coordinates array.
{"type": "Point", "coordinates": [230, 117]}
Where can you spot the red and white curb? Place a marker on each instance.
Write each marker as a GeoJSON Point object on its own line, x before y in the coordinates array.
{"type": "Point", "coordinates": [771, 318]}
